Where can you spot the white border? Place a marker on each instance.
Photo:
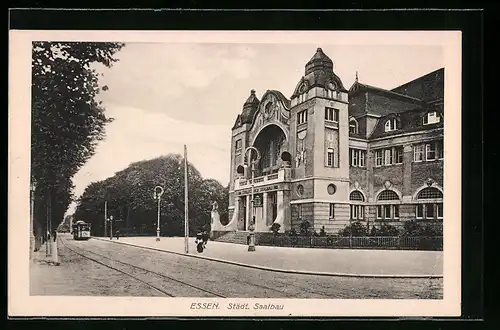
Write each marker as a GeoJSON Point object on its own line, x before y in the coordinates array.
{"type": "Point", "coordinates": [21, 304]}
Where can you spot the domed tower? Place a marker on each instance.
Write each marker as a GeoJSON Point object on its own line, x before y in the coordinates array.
{"type": "Point", "coordinates": [319, 135]}
{"type": "Point", "coordinates": [240, 141]}
{"type": "Point", "coordinates": [250, 107]}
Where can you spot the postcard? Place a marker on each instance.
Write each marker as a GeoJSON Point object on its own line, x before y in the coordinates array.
{"type": "Point", "coordinates": [234, 173]}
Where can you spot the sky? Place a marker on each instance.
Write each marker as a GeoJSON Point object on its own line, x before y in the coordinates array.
{"type": "Point", "coordinates": [165, 95]}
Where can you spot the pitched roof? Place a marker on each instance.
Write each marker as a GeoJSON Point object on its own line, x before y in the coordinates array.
{"type": "Point", "coordinates": [428, 87]}
{"type": "Point", "coordinates": [408, 121]}
{"type": "Point", "coordinates": [358, 87]}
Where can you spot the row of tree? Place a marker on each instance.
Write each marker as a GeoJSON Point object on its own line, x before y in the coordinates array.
{"type": "Point", "coordinates": [67, 121]}
{"type": "Point", "coordinates": [129, 198]}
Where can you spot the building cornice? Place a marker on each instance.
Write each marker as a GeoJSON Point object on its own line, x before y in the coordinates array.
{"type": "Point", "coordinates": [321, 178]}
{"type": "Point", "coordinates": [406, 134]}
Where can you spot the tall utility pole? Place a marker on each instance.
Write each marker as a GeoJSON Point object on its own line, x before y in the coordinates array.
{"type": "Point", "coordinates": [47, 224]}
{"type": "Point", "coordinates": [32, 216]}
{"type": "Point", "coordinates": [252, 163]}
{"type": "Point", "coordinates": [186, 221]}
{"type": "Point", "coordinates": [105, 218]}
{"type": "Point", "coordinates": [158, 191]}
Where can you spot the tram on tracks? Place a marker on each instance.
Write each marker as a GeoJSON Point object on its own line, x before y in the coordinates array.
{"type": "Point", "coordinates": [81, 230]}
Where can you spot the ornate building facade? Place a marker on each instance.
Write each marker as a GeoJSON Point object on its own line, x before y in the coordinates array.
{"type": "Point", "coordinates": [331, 155]}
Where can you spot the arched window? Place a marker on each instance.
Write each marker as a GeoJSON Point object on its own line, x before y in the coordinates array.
{"type": "Point", "coordinates": [391, 125]}
{"type": "Point", "coordinates": [357, 211]}
{"type": "Point", "coordinates": [429, 192]}
{"type": "Point", "coordinates": [387, 195]}
{"type": "Point", "coordinates": [356, 196]}
{"type": "Point", "coordinates": [430, 211]}
{"type": "Point", "coordinates": [388, 212]}
{"type": "Point", "coordinates": [353, 126]}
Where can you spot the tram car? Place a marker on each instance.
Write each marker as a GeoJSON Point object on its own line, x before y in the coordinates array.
{"type": "Point", "coordinates": [81, 230]}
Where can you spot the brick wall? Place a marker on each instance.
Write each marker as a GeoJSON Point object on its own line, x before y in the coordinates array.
{"type": "Point", "coordinates": [307, 214]}
{"type": "Point", "coordinates": [360, 175]}
{"type": "Point", "coordinates": [393, 173]}
{"type": "Point", "coordinates": [424, 170]}
{"type": "Point", "coordinates": [406, 212]}
{"type": "Point", "coordinates": [357, 104]}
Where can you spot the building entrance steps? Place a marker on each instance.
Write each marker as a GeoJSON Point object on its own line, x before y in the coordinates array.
{"type": "Point", "coordinates": [342, 262]}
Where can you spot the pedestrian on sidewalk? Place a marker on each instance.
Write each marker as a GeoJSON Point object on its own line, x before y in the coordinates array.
{"type": "Point", "coordinates": [117, 234]}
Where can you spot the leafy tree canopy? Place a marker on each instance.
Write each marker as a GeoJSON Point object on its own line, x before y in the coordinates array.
{"type": "Point", "coordinates": [130, 198]}
{"type": "Point", "coordinates": [67, 119]}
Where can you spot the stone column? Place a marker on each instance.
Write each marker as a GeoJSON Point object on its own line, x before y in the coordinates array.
{"type": "Point", "coordinates": [249, 213]}
{"type": "Point", "coordinates": [265, 204]}
{"type": "Point", "coordinates": [32, 219]}
{"type": "Point", "coordinates": [280, 210]}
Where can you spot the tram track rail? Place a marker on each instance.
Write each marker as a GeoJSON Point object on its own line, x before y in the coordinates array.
{"type": "Point", "coordinates": [142, 269]}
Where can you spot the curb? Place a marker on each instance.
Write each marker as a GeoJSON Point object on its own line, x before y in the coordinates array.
{"type": "Point", "coordinates": [279, 270]}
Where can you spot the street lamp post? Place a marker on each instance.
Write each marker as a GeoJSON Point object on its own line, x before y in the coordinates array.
{"type": "Point", "coordinates": [157, 195]}
{"type": "Point", "coordinates": [251, 227]}
{"type": "Point", "coordinates": [32, 215]}
{"type": "Point", "coordinates": [105, 218]}
{"type": "Point", "coordinates": [111, 227]}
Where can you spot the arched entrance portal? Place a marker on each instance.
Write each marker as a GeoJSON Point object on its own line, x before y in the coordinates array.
{"type": "Point", "coordinates": [271, 142]}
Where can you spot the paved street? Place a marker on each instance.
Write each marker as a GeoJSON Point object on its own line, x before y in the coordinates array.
{"type": "Point", "coordinates": [181, 276]}
{"type": "Point", "coordinates": [344, 261]}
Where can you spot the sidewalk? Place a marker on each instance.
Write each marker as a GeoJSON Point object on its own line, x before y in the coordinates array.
{"type": "Point", "coordinates": [342, 262]}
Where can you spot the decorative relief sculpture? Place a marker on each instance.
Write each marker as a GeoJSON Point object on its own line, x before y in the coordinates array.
{"type": "Point", "coordinates": [301, 156]}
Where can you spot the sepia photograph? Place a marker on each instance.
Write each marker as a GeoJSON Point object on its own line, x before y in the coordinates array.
{"type": "Point", "coordinates": [240, 173]}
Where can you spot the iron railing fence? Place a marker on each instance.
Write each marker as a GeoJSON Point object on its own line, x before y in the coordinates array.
{"type": "Point", "coordinates": [365, 242]}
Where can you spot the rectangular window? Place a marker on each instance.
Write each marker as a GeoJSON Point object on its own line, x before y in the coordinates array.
{"type": "Point", "coordinates": [299, 211]}
{"type": "Point", "coordinates": [440, 210]}
{"type": "Point", "coordinates": [387, 211]}
{"type": "Point", "coordinates": [419, 211]}
{"type": "Point", "coordinates": [330, 158]}
{"type": "Point", "coordinates": [357, 157]}
{"type": "Point", "coordinates": [379, 211]}
{"type": "Point", "coordinates": [418, 153]}
{"type": "Point", "coordinates": [357, 212]}
{"type": "Point", "coordinates": [430, 151]}
{"type": "Point", "coordinates": [398, 155]}
{"type": "Point", "coordinates": [362, 155]}
{"type": "Point", "coordinates": [378, 158]}
{"type": "Point", "coordinates": [332, 211]}
{"type": "Point", "coordinates": [388, 156]}
{"type": "Point", "coordinates": [440, 149]}
{"type": "Point", "coordinates": [332, 114]}
{"type": "Point", "coordinates": [429, 211]}
{"type": "Point", "coordinates": [302, 117]}
{"type": "Point", "coordinates": [238, 145]}
{"type": "Point", "coordinates": [396, 211]}
{"type": "Point", "coordinates": [431, 118]}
